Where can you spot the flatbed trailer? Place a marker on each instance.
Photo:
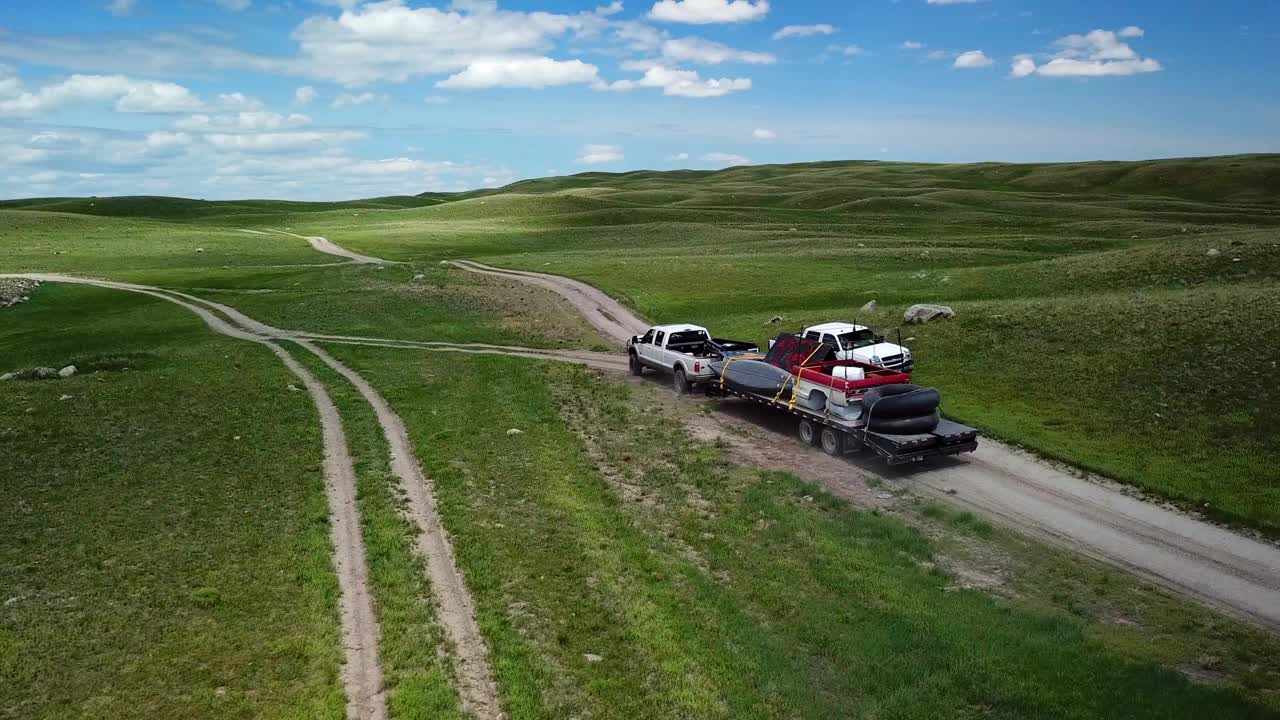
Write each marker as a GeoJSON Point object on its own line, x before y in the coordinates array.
{"type": "Point", "coordinates": [838, 436]}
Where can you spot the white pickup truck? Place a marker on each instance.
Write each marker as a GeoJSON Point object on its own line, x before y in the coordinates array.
{"type": "Point", "coordinates": [856, 342]}
{"type": "Point", "coordinates": [683, 350]}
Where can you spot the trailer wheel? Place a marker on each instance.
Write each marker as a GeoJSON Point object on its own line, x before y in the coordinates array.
{"type": "Point", "coordinates": [808, 433]}
{"type": "Point", "coordinates": [681, 382]}
{"type": "Point", "coordinates": [637, 368]}
{"type": "Point", "coordinates": [832, 442]}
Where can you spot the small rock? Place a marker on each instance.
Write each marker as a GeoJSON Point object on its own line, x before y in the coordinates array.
{"type": "Point", "coordinates": [419, 276]}
{"type": "Point", "coordinates": [1235, 259]}
{"type": "Point", "coordinates": [294, 388]}
{"type": "Point", "coordinates": [67, 371]}
{"type": "Point", "coordinates": [1213, 252]}
{"type": "Point", "coordinates": [7, 377]}
{"type": "Point", "coordinates": [927, 313]}
{"type": "Point", "coordinates": [870, 307]}
{"type": "Point", "coordinates": [774, 320]}
{"type": "Point", "coordinates": [44, 373]}
{"type": "Point", "coordinates": [64, 397]}
{"type": "Point", "coordinates": [592, 658]}
{"type": "Point", "coordinates": [708, 536]}
{"type": "Point", "coordinates": [514, 431]}
{"type": "Point", "coordinates": [807, 498]}
{"type": "Point", "coordinates": [237, 437]}
{"type": "Point", "coordinates": [220, 692]}
{"type": "Point", "coordinates": [199, 250]}
{"type": "Point", "coordinates": [791, 230]}
{"type": "Point", "coordinates": [950, 491]}
{"type": "Point", "coordinates": [885, 496]}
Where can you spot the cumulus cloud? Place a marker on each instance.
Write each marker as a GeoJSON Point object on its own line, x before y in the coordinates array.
{"type": "Point", "coordinates": [305, 95]}
{"type": "Point", "coordinates": [1098, 53]}
{"type": "Point", "coordinates": [764, 134]}
{"type": "Point", "coordinates": [705, 12]}
{"type": "Point", "coordinates": [129, 95]}
{"type": "Point", "coordinates": [679, 82]}
{"type": "Point", "coordinates": [720, 158]}
{"type": "Point", "coordinates": [521, 72]}
{"type": "Point", "coordinates": [121, 8]}
{"type": "Point", "coordinates": [678, 157]}
{"type": "Point", "coordinates": [912, 45]}
{"type": "Point", "coordinates": [972, 59]}
{"type": "Point", "coordinates": [598, 154]}
{"type": "Point", "coordinates": [388, 41]}
{"type": "Point", "coordinates": [707, 52]}
{"type": "Point", "coordinates": [270, 142]}
{"type": "Point", "coordinates": [791, 31]}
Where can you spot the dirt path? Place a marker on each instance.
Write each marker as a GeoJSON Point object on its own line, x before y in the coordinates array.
{"type": "Point", "coordinates": [1218, 567]}
{"type": "Point", "coordinates": [361, 670]}
{"type": "Point", "coordinates": [323, 245]}
{"type": "Point", "coordinates": [609, 316]}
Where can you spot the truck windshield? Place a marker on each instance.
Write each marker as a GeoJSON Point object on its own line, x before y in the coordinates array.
{"type": "Point", "coordinates": [686, 337]}
{"type": "Point", "coordinates": [857, 339]}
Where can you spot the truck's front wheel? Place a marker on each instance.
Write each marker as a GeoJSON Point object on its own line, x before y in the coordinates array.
{"type": "Point", "coordinates": [681, 382]}
{"type": "Point", "coordinates": [637, 368]}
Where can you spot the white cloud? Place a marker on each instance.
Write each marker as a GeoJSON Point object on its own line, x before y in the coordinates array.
{"type": "Point", "coordinates": [129, 94]}
{"type": "Point", "coordinates": [247, 121]}
{"type": "Point", "coordinates": [239, 101]}
{"type": "Point", "coordinates": [678, 82]}
{"type": "Point", "coordinates": [436, 100]}
{"type": "Point", "coordinates": [912, 45]}
{"type": "Point", "coordinates": [707, 52]}
{"type": "Point", "coordinates": [1099, 53]}
{"type": "Point", "coordinates": [121, 8]}
{"type": "Point", "coordinates": [972, 59]}
{"type": "Point", "coordinates": [236, 5]}
{"type": "Point", "coordinates": [521, 72]}
{"type": "Point", "coordinates": [305, 95]}
{"type": "Point", "coordinates": [938, 55]}
{"type": "Point", "coordinates": [353, 99]}
{"type": "Point", "coordinates": [388, 41]}
{"type": "Point", "coordinates": [162, 139]}
{"type": "Point", "coordinates": [850, 50]}
{"type": "Point", "coordinates": [1023, 65]}
{"type": "Point", "coordinates": [804, 31]}
{"type": "Point", "coordinates": [598, 154]}
{"type": "Point", "coordinates": [951, 2]}
{"type": "Point", "coordinates": [720, 158]}
{"type": "Point", "coordinates": [704, 12]}
{"type": "Point", "coordinates": [281, 141]}
{"type": "Point", "coordinates": [678, 157]}
{"type": "Point", "coordinates": [764, 134]}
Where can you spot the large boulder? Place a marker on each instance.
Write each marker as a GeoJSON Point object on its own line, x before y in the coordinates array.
{"type": "Point", "coordinates": [44, 373]}
{"type": "Point", "coordinates": [67, 371]}
{"type": "Point", "coordinates": [928, 313]}
{"type": "Point", "coordinates": [871, 307]}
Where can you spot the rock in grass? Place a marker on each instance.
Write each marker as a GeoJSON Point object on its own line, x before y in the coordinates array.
{"type": "Point", "coordinates": [592, 658]}
{"type": "Point", "coordinates": [419, 276]}
{"type": "Point", "coordinates": [928, 313]}
{"type": "Point", "coordinates": [774, 320]}
{"type": "Point", "coordinates": [870, 307]}
{"type": "Point", "coordinates": [514, 431]}
{"type": "Point", "coordinates": [67, 371]}
{"type": "Point", "coordinates": [44, 373]}
{"type": "Point", "coordinates": [1213, 252]}
{"type": "Point", "coordinates": [8, 376]}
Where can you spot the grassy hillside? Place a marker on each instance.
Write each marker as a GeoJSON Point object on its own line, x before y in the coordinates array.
{"type": "Point", "coordinates": [1121, 316]}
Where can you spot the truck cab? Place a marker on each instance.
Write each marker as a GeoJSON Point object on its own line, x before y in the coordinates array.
{"type": "Point", "coordinates": [857, 342]}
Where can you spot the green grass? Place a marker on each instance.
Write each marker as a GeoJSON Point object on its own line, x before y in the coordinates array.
{"type": "Point", "coordinates": [712, 590]}
{"type": "Point", "coordinates": [160, 556]}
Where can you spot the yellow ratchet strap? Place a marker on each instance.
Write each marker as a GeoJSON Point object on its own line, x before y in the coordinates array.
{"type": "Point", "coordinates": [795, 391]}
{"type": "Point", "coordinates": [724, 370]}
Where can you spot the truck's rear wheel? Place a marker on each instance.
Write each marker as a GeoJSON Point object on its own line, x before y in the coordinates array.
{"type": "Point", "coordinates": [637, 368]}
{"type": "Point", "coordinates": [832, 442]}
{"type": "Point", "coordinates": [681, 382]}
{"type": "Point", "coordinates": [808, 432]}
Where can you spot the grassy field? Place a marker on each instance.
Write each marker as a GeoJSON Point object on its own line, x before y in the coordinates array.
{"type": "Point", "coordinates": [163, 543]}
{"type": "Point", "coordinates": [712, 590]}
{"type": "Point", "coordinates": [160, 557]}
{"type": "Point", "coordinates": [1122, 317]}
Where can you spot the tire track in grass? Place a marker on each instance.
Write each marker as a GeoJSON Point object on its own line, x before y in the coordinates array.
{"type": "Point", "coordinates": [361, 671]}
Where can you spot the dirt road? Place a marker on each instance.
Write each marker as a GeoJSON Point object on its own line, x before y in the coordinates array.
{"type": "Point", "coordinates": [608, 315]}
{"type": "Point", "coordinates": [323, 245]}
{"type": "Point", "coordinates": [1218, 567]}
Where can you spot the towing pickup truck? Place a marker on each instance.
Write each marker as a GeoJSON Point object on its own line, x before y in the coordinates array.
{"type": "Point", "coordinates": [685, 351]}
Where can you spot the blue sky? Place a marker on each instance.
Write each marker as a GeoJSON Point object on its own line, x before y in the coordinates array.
{"type": "Point", "coordinates": [331, 99]}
